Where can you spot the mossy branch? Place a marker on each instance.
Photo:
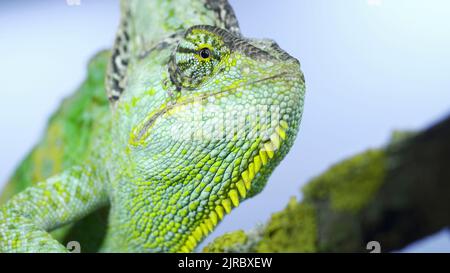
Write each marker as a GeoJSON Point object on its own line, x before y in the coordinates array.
{"type": "Point", "coordinates": [394, 195]}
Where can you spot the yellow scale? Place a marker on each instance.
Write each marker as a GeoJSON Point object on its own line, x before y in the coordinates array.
{"type": "Point", "coordinates": [243, 185]}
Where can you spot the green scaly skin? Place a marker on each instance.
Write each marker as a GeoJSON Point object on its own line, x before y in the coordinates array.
{"type": "Point", "coordinates": [198, 117]}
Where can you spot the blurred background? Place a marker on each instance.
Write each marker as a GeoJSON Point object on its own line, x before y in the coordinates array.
{"type": "Point", "coordinates": [371, 66]}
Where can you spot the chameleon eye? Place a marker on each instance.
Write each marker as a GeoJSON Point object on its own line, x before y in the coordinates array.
{"type": "Point", "coordinates": [197, 58]}
{"type": "Point", "coordinates": [205, 53]}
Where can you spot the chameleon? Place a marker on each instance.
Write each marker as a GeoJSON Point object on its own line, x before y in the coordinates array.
{"type": "Point", "coordinates": [176, 125]}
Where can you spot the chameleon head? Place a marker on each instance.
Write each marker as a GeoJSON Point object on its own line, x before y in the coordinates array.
{"type": "Point", "coordinates": [221, 114]}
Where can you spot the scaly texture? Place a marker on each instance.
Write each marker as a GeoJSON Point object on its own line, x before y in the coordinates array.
{"type": "Point", "coordinates": [198, 119]}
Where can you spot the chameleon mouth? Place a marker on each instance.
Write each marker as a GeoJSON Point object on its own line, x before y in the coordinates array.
{"type": "Point", "coordinates": [142, 131]}
{"type": "Point", "coordinates": [238, 190]}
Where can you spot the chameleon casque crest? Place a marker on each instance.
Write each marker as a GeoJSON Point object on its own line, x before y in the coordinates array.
{"type": "Point", "coordinates": [194, 120]}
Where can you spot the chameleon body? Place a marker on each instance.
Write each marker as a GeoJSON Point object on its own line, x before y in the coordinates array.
{"type": "Point", "coordinates": [194, 120]}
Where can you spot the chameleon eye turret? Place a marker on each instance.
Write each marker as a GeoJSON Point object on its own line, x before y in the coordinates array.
{"type": "Point", "coordinates": [198, 56]}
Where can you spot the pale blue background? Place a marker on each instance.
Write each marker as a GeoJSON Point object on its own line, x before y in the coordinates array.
{"type": "Point", "coordinates": [371, 66]}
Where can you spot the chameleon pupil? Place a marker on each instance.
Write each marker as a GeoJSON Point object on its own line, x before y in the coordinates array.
{"type": "Point", "coordinates": [205, 53]}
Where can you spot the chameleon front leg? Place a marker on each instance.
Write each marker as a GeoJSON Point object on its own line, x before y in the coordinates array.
{"type": "Point", "coordinates": [27, 218]}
